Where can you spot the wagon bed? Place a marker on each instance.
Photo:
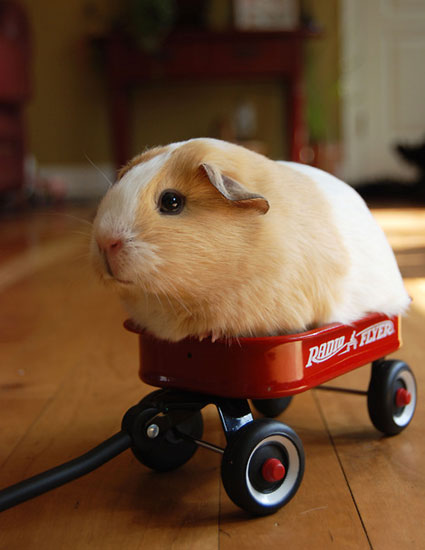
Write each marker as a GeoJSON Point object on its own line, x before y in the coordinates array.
{"type": "Point", "coordinates": [266, 367]}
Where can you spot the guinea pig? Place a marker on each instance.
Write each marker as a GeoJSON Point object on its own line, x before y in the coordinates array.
{"type": "Point", "coordinates": [206, 238]}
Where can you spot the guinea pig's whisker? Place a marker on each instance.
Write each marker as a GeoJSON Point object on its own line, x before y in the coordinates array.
{"type": "Point", "coordinates": [81, 233]}
{"type": "Point", "coordinates": [182, 305]}
{"type": "Point", "coordinates": [101, 172]}
{"type": "Point", "coordinates": [143, 251]}
{"type": "Point", "coordinates": [83, 256]}
{"type": "Point", "coordinates": [159, 301]}
{"type": "Point", "coordinates": [170, 304]}
{"type": "Point", "coordinates": [169, 283]}
{"type": "Point", "coordinates": [166, 296]}
{"type": "Point", "coordinates": [70, 216]}
{"type": "Point", "coordinates": [236, 339]}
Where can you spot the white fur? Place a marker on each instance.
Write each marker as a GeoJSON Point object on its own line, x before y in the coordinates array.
{"type": "Point", "coordinates": [117, 220]}
{"type": "Point", "coordinates": [217, 143]}
{"type": "Point", "coordinates": [117, 211]}
{"type": "Point", "coordinates": [373, 276]}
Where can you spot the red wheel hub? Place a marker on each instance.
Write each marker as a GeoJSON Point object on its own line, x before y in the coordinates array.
{"type": "Point", "coordinates": [402, 397]}
{"type": "Point", "coordinates": [273, 470]}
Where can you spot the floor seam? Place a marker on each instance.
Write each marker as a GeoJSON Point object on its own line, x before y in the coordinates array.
{"type": "Point", "coordinates": [331, 439]}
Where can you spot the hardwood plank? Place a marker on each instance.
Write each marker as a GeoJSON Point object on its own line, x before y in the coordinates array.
{"type": "Point", "coordinates": [44, 333]}
{"type": "Point", "coordinates": [385, 474]}
{"type": "Point", "coordinates": [29, 230]}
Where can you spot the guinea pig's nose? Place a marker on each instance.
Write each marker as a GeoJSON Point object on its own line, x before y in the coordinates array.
{"type": "Point", "coordinates": [110, 245]}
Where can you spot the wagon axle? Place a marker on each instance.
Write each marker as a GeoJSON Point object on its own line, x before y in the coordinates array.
{"type": "Point", "coordinates": [273, 470]}
{"type": "Point", "coordinates": [402, 397]}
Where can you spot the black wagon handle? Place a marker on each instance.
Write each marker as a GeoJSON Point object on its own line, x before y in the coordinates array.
{"type": "Point", "coordinates": [73, 469]}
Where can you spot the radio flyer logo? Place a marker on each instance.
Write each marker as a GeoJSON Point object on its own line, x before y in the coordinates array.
{"type": "Point", "coordinates": [340, 346]}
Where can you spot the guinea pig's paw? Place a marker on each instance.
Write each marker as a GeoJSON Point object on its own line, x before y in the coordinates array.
{"type": "Point", "coordinates": [216, 334]}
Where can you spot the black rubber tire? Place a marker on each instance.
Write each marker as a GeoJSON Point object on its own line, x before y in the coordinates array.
{"type": "Point", "coordinates": [272, 407]}
{"type": "Point", "coordinates": [244, 456]}
{"type": "Point", "coordinates": [169, 450]}
{"type": "Point", "coordinates": [387, 377]}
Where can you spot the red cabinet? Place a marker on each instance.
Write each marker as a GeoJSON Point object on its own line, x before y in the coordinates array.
{"type": "Point", "coordinates": [14, 92]}
{"type": "Point", "coordinates": [206, 56]}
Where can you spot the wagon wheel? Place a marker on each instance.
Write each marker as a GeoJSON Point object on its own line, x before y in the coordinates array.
{"type": "Point", "coordinates": [262, 466]}
{"type": "Point", "coordinates": [272, 407]}
{"type": "Point", "coordinates": [161, 449]}
{"type": "Point", "coordinates": [391, 397]}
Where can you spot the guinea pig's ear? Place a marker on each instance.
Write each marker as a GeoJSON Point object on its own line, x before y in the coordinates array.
{"type": "Point", "coordinates": [233, 191]}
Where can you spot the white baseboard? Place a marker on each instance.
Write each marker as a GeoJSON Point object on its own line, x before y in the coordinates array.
{"type": "Point", "coordinates": [79, 181]}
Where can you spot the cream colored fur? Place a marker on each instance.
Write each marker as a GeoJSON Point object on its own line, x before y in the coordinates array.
{"type": "Point", "coordinates": [224, 268]}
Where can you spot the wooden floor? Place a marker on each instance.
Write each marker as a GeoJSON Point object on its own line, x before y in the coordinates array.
{"type": "Point", "coordinates": [68, 371]}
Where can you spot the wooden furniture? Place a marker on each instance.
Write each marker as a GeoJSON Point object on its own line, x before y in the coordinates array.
{"type": "Point", "coordinates": [14, 93]}
{"type": "Point", "coordinates": [206, 56]}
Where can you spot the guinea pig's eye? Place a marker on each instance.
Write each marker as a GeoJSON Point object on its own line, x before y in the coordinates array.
{"type": "Point", "coordinates": [171, 202]}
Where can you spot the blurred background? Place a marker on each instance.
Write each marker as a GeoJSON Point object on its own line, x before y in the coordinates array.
{"type": "Point", "coordinates": [86, 84]}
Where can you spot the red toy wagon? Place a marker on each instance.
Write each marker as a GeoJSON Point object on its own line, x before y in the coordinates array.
{"type": "Point", "coordinates": [263, 462]}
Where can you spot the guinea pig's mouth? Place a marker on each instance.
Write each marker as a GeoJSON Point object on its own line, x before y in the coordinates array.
{"type": "Point", "coordinates": [110, 274]}
{"type": "Point", "coordinates": [125, 283]}
{"type": "Point", "coordinates": [113, 279]}
{"type": "Point", "coordinates": [122, 281]}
